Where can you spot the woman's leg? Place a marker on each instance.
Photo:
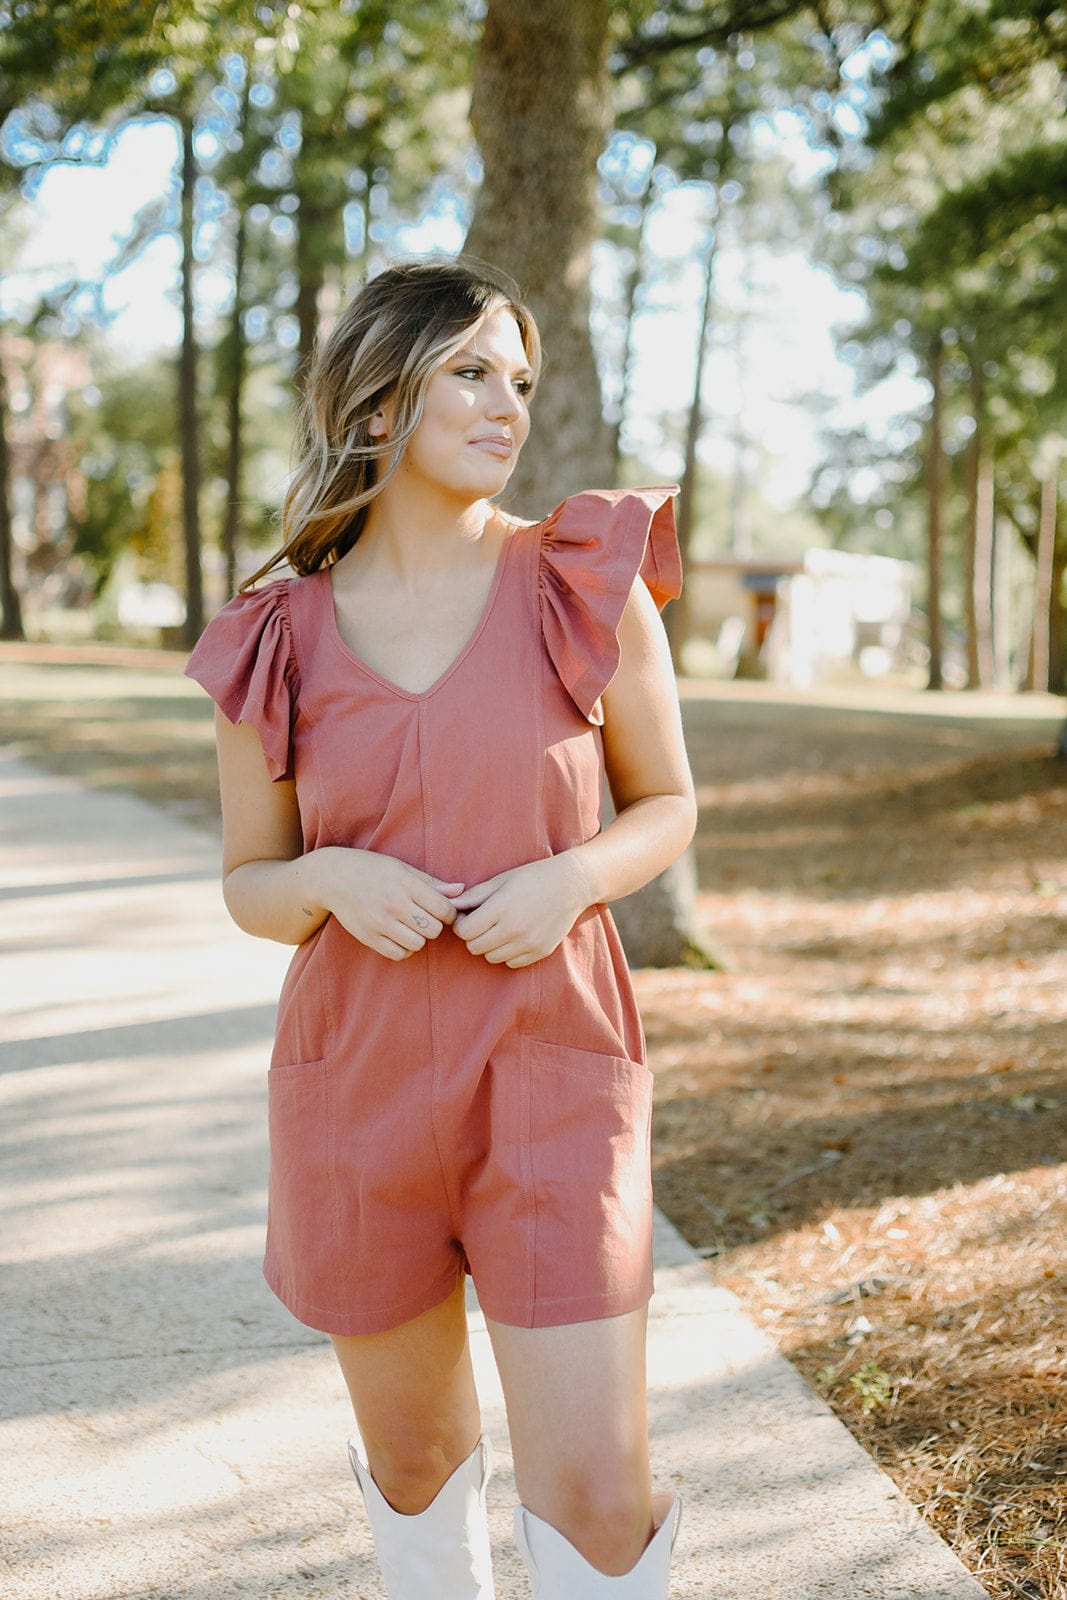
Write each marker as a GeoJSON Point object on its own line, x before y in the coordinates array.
{"type": "Point", "coordinates": [577, 1416]}
{"type": "Point", "coordinates": [415, 1402]}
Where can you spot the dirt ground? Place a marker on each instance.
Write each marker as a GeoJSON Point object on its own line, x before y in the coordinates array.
{"type": "Point", "coordinates": [862, 1121]}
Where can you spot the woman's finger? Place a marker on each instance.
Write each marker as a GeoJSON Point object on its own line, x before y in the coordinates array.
{"type": "Point", "coordinates": [505, 954]}
{"type": "Point", "coordinates": [475, 926]}
{"type": "Point", "coordinates": [477, 894]}
{"type": "Point", "coordinates": [428, 903]}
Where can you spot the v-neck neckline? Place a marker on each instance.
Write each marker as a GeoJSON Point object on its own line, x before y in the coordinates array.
{"type": "Point", "coordinates": [387, 683]}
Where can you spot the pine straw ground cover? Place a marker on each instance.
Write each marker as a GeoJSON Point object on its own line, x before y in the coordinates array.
{"type": "Point", "coordinates": [863, 1121]}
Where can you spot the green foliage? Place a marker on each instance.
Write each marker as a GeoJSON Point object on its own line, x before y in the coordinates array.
{"type": "Point", "coordinates": [949, 213]}
{"type": "Point", "coordinates": [335, 126]}
{"type": "Point", "coordinates": [875, 1387]}
{"type": "Point", "coordinates": [126, 451]}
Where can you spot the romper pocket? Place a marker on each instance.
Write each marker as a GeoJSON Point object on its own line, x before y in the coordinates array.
{"type": "Point", "coordinates": [590, 1118]}
{"type": "Point", "coordinates": [302, 1233]}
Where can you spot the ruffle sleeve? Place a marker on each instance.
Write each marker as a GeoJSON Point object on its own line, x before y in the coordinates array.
{"type": "Point", "coordinates": [246, 662]}
{"type": "Point", "coordinates": [592, 547]}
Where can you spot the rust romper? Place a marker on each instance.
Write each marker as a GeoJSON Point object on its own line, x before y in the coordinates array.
{"type": "Point", "coordinates": [442, 1114]}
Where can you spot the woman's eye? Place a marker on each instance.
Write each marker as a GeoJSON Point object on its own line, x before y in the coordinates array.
{"type": "Point", "coordinates": [522, 386]}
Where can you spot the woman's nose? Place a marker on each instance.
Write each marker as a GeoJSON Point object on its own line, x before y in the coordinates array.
{"type": "Point", "coordinates": [504, 401]}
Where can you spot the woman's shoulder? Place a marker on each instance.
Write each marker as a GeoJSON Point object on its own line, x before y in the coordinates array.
{"type": "Point", "coordinates": [605, 507]}
{"type": "Point", "coordinates": [594, 546]}
{"type": "Point", "coordinates": [265, 608]}
{"type": "Point", "coordinates": [605, 538]}
{"type": "Point", "coordinates": [251, 635]}
{"type": "Point", "coordinates": [246, 661]}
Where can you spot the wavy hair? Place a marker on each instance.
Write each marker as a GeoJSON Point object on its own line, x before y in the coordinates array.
{"type": "Point", "coordinates": [390, 338]}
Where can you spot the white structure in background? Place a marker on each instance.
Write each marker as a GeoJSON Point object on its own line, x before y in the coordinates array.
{"type": "Point", "coordinates": [149, 605]}
{"type": "Point", "coordinates": [843, 612]}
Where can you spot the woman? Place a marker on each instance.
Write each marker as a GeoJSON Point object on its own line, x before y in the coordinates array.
{"type": "Point", "coordinates": [412, 736]}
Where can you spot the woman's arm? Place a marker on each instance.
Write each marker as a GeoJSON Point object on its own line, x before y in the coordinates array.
{"type": "Point", "coordinates": [274, 890]}
{"type": "Point", "coordinates": [520, 916]}
{"type": "Point", "coordinates": [647, 767]}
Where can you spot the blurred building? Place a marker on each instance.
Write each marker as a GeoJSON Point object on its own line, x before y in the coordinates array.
{"type": "Point", "coordinates": [831, 615]}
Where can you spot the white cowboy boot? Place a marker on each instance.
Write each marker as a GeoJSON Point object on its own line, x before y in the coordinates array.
{"type": "Point", "coordinates": [558, 1572]}
{"type": "Point", "coordinates": [441, 1553]}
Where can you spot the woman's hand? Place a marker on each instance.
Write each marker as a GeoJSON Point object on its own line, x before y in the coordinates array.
{"type": "Point", "coordinates": [384, 903]}
{"type": "Point", "coordinates": [521, 916]}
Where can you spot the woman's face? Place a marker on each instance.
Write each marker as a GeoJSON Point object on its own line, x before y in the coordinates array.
{"type": "Point", "coordinates": [475, 416]}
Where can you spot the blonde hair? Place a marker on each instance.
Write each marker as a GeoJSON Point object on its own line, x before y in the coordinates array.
{"type": "Point", "coordinates": [388, 341]}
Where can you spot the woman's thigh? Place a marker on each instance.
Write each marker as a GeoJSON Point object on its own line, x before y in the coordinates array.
{"type": "Point", "coordinates": [414, 1399]}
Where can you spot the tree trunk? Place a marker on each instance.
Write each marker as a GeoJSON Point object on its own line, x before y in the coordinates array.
{"type": "Point", "coordinates": [633, 289]}
{"type": "Point", "coordinates": [310, 276]}
{"type": "Point", "coordinates": [1057, 644]}
{"type": "Point", "coordinates": [678, 615]}
{"type": "Point", "coordinates": [984, 555]}
{"type": "Point", "coordinates": [740, 531]}
{"type": "Point", "coordinates": [11, 619]}
{"type": "Point", "coordinates": [658, 925]}
{"type": "Point", "coordinates": [541, 110]}
{"type": "Point", "coordinates": [238, 364]}
{"type": "Point", "coordinates": [188, 416]}
{"type": "Point", "coordinates": [935, 475]}
{"type": "Point", "coordinates": [1045, 598]}
{"type": "Point", "coordinates": [320, 248]}
{"type": "Point", "coordinates": [1003, 602]}
{"type": "Point", "coordinates": [978, 586]}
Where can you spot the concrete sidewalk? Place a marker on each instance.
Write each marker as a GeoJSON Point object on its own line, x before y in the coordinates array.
{"type": "Point", "coordinates": [166, 1429]}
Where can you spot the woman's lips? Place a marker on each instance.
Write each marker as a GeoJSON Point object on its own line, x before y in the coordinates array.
{"type": "Point", "coordinates": [494, 444]}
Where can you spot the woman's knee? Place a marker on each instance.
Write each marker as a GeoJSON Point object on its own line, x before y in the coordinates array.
{"type": "Point", "coordinates": [410, 1469]}
{"type": "Point", "coordinates": [604, 1509]}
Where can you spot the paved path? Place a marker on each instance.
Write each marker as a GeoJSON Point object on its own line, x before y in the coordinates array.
{"type": "Point", "coordinates": [167, 1431]}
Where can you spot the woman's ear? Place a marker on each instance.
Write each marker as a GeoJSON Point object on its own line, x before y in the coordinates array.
{"type": "Point", "coordinates": [376, 426]}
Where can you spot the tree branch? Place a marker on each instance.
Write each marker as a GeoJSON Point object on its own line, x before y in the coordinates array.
{"type": "Point", "coordinates": [739, 19]}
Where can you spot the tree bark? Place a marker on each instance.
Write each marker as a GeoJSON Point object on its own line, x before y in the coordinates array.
{"type": "Point", "coordinates": [541, 110]}
{"type": "Point", "coordinates": [11, 626]}
{"type": "Point", "coordinates": [310, 277]}
{"type": "Point", "coordinates": [1045, 598]}
{"type": "Point", "coordinates": [238, 365]}
{"type": "Point", "coordinates": [678, 615]}
{"type": "Point", "coordinates": [633, 289]}
{"type": "Point", "coordinates": [935, 475]}
{"type": "Point", "coordinates": [658, 925]}
{"type": "Point", "coordinates": [1057, 644]}
{"type": "Point", "coordinates": [1003, 602]}
{"type": "Point", "coordinates": [978, 585]}
{"type": "Point", "coordinates": [983, 563]}
{"type": "Point", "coordinates": [188, 415]}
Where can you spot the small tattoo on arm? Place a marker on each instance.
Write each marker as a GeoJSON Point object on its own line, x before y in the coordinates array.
{"type": "Point", "coordinates": [307, 912]}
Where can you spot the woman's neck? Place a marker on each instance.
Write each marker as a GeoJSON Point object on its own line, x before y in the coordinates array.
{"type": "Point", "coordinates": [413, 530]}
